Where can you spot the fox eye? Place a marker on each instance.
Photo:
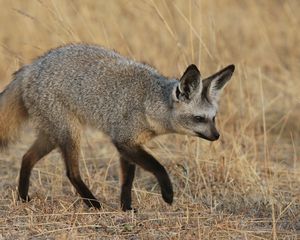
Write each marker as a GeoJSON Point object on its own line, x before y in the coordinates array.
{"type": "Point", "coordinates": [199, 119]}
{"type": "Point", "coordinates": [214, 119]}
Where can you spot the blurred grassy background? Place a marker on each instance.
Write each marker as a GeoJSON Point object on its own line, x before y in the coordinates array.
{"type": "Point", "coordinates": [244, 186]}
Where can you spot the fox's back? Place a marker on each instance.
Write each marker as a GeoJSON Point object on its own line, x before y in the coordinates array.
{"type": "Point", "coordinates": [95, 85]}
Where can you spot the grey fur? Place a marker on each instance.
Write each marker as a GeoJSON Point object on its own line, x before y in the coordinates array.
{"type": "Point", "coordinates": [90, 85]}
{"type": "Point", "coordinates": [94, 86]}
{"type": "Point", "coordinates": [78, 85]}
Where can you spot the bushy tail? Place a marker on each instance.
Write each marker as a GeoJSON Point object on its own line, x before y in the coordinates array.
{"type": "Point", "coordinates": [12, 112]}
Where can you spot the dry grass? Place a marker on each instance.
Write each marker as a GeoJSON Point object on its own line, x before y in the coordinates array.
{"type": "Point", "coordinates": [245, 186]}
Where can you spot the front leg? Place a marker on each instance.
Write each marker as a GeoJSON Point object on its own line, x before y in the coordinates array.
{"type": "Point", "coordinates": [140, 157]}
{"type": "Point", "coordinates": [127, 171]}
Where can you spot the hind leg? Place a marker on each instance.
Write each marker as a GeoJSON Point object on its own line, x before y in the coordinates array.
{"type": "Point", "coordinates": [40, 148]}
{"type": "Point", "coordinates": [70, 148]}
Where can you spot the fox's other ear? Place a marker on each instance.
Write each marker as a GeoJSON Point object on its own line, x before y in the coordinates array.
{"type": "Point", "coordinates": [189, 83]}
{"type": "Point", "coordinates": [213, 85]}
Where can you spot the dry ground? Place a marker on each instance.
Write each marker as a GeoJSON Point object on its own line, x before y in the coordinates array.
{"type": "Point", "coordinates": [245, 186]}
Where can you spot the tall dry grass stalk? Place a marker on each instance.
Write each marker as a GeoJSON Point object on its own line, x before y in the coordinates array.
{"type": "Point", "coordinates": [245, 186]}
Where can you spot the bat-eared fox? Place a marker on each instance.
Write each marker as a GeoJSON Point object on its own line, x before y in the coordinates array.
{"type": "Point", "coordinates": [84, 85]}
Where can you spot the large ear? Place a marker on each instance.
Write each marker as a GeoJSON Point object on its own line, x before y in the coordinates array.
{"type": "Point", "coordinates": [213, 85]}
{"type": "Point", "coordinates": [189, 83]}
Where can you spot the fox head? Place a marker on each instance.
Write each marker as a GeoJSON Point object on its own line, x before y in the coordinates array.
{"type": "Point", "coordinates": [195, 102]}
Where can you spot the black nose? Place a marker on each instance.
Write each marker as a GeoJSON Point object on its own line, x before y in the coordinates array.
{"type": "Point", "coordinates": [216, 136]}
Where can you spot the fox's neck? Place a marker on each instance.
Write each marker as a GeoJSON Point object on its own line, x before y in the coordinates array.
{"type": "Point", "coordinates": [158, 106]}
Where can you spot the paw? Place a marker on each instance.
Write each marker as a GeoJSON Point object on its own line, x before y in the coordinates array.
{"type": "Point", "coordinates": [125, 209]}
{"type": "Point", "coordinates": [92, 203]}
{"type": "Point", "coordinates": [167, 195]}
{"type": "Point", "coordinates": [126, 200]}
{"type": "Point", "coordinates": [126, 206]}
{"type": "Point", "coordinates": [24, 198]}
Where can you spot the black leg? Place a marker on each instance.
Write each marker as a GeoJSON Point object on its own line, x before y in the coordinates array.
{"type": "Point", "coordinates": [127, 170]}
{"type": "Point", "coordinates": [70, 151]}
{"type": "Point", "coordinates": [41, 147]}
{"type": "Point", "coordinates": [140, 157]}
